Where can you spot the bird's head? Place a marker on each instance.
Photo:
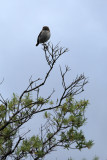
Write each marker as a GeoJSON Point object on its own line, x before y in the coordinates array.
{"type": "Point", "coordinates": [45, 28]}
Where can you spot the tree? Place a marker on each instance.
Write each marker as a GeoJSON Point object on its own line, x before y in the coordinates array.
{"type": "Point", "coordinates": [63, 118]}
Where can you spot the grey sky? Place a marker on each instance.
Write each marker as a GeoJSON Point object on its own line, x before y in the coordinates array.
{"type": "Point", "coordinates": [81, 26]}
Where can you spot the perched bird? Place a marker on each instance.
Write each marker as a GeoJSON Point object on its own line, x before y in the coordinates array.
{"type": "Point", "coordinates": [44, 35]}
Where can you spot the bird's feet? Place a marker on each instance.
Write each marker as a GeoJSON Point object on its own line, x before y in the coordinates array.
{"type": "Point", "coordinates": [45, 46]}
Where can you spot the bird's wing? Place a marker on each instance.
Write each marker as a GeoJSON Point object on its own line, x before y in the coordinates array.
{"type": "Point", "coordinates": [39, 37]}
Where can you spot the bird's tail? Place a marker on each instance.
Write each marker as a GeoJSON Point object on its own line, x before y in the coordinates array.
{"type": "Point", "coordinates": [37, 44]}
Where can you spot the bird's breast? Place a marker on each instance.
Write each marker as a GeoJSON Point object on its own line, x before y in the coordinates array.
{"type": "Point", "coordinates": [45, 35]}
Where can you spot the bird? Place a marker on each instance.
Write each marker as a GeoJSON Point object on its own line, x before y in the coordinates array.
{"type": "Point", "coordinates": [44, 35]}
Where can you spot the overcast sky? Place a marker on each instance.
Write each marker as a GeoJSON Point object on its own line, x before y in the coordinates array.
{"type": "Point", "coordinates": [81, 26]}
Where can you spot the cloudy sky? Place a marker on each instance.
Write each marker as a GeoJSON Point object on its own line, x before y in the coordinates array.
{"type": "Point", "coordinates": [81, 26]}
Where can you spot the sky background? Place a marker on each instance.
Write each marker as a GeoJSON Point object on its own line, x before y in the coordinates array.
{"type": "Point", "coordinates": [81, 26]}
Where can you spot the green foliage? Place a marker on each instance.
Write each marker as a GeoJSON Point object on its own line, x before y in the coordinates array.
{"type": "Point", "coordinates": [67, 120]}
{"type": "Point", "coordinates": [27, 101]}
{"type": "Point", "coordinates": [41, 100]}
{"type": "Point", "coordinates": [51, 102]}
{"type": "Point", "coordinates": [70, 159]}
{"type": "Point", "coordinates": [96, 158]}
{"type": "Point", "coordinates": [47, 115]}
{"type": "Point", "coordinates": [30, 145]}
{"type": "Point", "coordinates": [71, 116]}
